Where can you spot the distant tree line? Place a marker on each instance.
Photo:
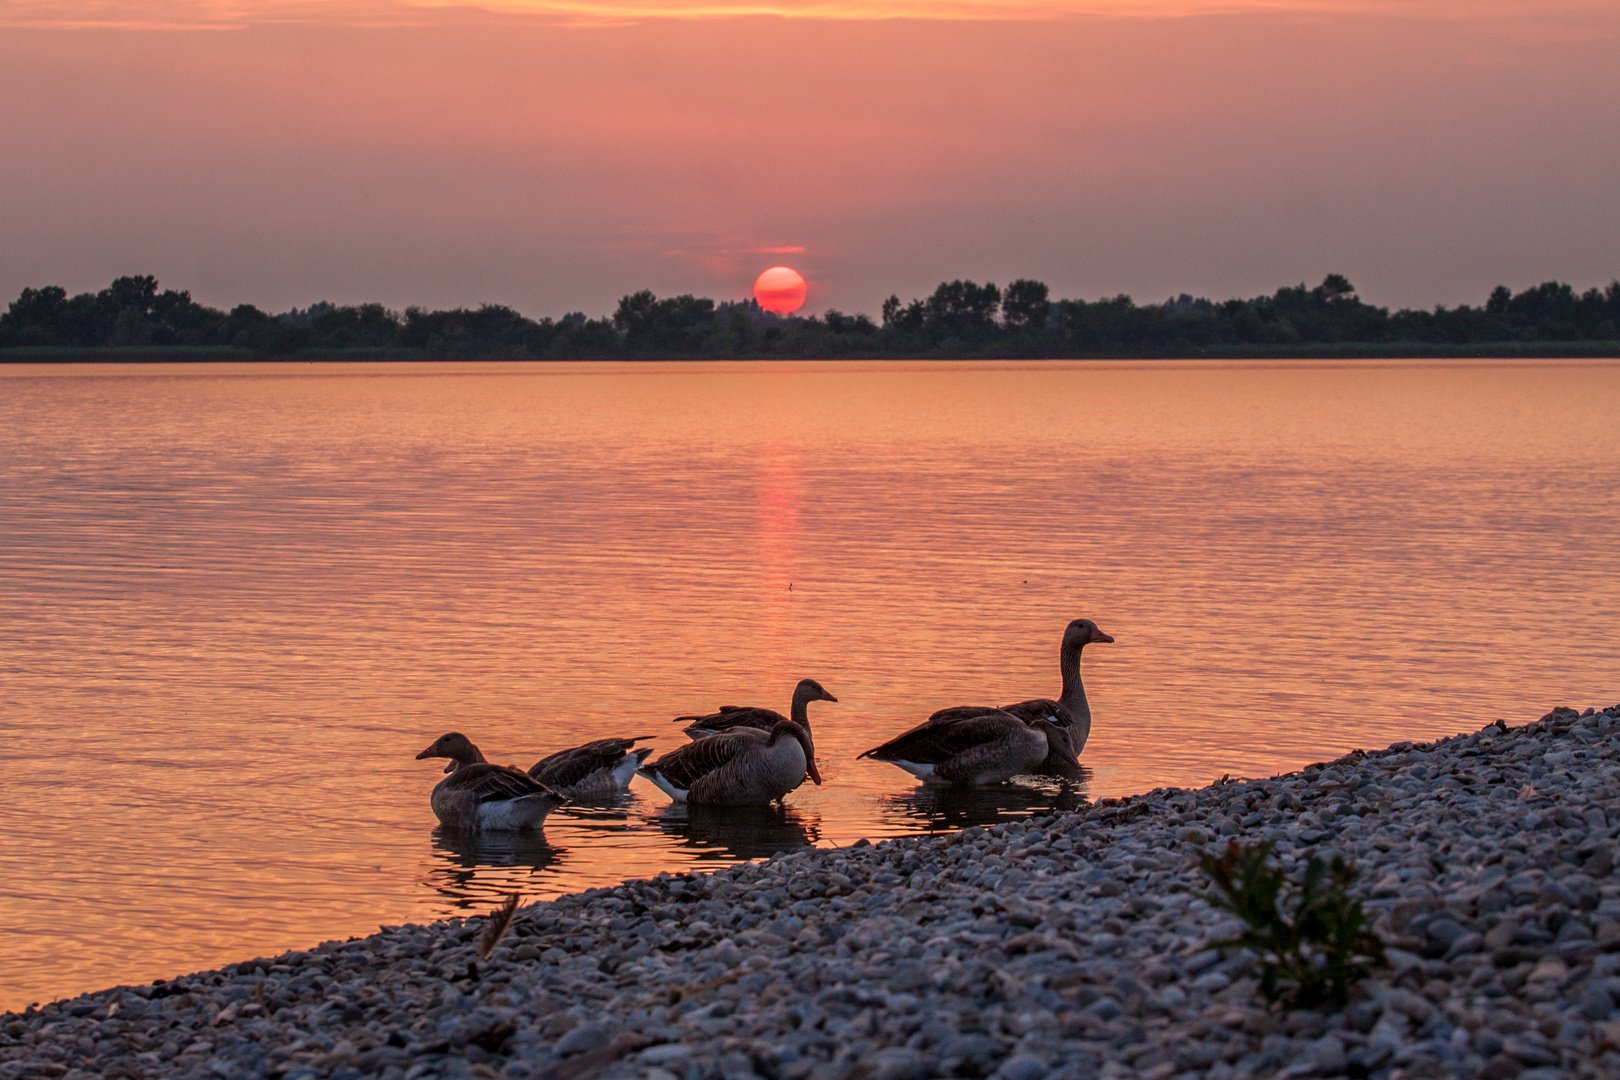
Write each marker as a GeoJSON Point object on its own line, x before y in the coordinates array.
{"type": "Point", "coordinates": [960, 319]}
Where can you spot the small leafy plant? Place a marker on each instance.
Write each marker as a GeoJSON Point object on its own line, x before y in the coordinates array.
{"type": "Point", "coordinates": [1313, 946]}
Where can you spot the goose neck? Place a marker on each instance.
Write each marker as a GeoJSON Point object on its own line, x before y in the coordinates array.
{"type": "Point", "coordinates": [1074, 690]}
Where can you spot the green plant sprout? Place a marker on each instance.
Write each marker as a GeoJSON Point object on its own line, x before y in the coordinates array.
{"type": "Point", "coordinates": [1313, 946]}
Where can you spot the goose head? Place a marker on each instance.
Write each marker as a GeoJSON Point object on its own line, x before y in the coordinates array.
{"type": "Point", "coordinates": [810, 690]}
{"type": "Point", "coordinates": [1060, 748]}
{"type": "Point", "coordinates": [787, 729]}
{"type": "Point", "coordinates": [1083, 632]}
{"type": "Point", "coordinates": [455, 746]}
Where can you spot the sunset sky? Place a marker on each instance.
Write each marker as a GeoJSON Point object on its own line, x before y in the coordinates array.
{"type": "Point", "coordinates": [556, 154]}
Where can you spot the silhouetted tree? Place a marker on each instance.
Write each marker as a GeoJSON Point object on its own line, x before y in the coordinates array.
{"type": "Point", "coordinates": [960, 318]}
{"type": "Point", "coordinates": [1336, 288]}
{"type": "Point", "coordinates": [678, 325]}
{"type": "Point", "coordinates": [1025, 306]}
{"type": "Point", "coordinates": [368, 326]}
{"type": "Point", "coordinates": [839, 323]}
{"type": "Point", "coordinates": [903, 319]}
{"type": "Point", "coordinates": [962, 310]}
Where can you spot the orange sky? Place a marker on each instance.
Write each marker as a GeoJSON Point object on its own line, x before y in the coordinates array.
{"type": "Point", "coordinates": [555, 154]}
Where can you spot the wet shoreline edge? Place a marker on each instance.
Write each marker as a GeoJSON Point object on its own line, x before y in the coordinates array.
{"type": "Point", "coordinates": [1062, 947]}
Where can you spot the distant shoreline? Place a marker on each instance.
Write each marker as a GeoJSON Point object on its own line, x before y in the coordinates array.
{"type": "Point", "coordinates": [961, 320]}
{"type": "Point", "coordinates": [1413, 350]}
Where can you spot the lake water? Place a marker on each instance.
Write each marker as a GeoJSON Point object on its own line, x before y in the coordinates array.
{"type": "Point", "coordinates": [235, 601]}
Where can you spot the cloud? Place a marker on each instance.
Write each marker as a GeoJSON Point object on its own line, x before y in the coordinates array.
{"type": "Point", "coordinates": [726, 256]}
{"type": "Point", "coordinates": [486, 157]}
{"type": "Point", "coordinates": [192, 15]}
{"type": "Point", "coordinates": [997, 10]}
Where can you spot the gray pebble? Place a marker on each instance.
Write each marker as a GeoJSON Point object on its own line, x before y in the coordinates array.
{"type": "Point", "coordinates": [1023, 1067]}
{"type": "Point", "coordinates": [1059, 947]}
{"type": "Point", "coordinates": [894, 1063]}
{"type": "Point", "coordinates": [583, 1038]}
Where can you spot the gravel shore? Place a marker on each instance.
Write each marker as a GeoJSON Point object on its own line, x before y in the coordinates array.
{"type": "Point", "coordinates": [1061, 948]}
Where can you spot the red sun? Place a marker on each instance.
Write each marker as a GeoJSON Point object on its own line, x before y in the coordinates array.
{"type": "Point", "coordinates": [780, 289]}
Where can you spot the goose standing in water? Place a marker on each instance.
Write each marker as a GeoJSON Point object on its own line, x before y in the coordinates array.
{"type": "Point", "coordinates": [479, 796]}
{"type": "Point", "coordinates": [974, 745]}
{"type": "Point", "coordinates": [739, 767]}
{"type": "Point", "coordinates": [597, 770]}
{"type": "Point", "coordinates": [1070, 712]}
{"type": "Point", "coordinates": [731, 717]}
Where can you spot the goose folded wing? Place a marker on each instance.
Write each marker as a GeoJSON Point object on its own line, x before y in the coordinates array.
{"type": "Point", "coordinates": [494, 783]}
{"type": "Point", "coordinates": [1039, 709]}
{"type": "Point", "coordinates": [936, 741]}
{"type": "Point", "coordinates": [568, 767]}
{"type": "Point", "coordinates": [735, 716]}
{"type": "Point", "coordinates": [684, 765]}
{"type": "Point", "coordinates": [957, 712]}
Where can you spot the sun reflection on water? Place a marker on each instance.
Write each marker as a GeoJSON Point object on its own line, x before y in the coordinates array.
{"type": "Point", "coordinates": [236, 602]}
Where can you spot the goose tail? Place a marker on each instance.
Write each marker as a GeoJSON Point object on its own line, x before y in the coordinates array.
{"type": "Point", "coordinates": [626, 769]}
{"type": "Point", "coordinates": [651, 773]}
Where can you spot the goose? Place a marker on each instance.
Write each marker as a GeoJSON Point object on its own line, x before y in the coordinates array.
{"type": "Point", "coordinates": [479, 796]}
{"type": "Point", "coordinates": [975, 745]}
{"type": "Point", "coordinates": [596, 770]}
{"type": "Point", "coordinates": [750, 716]}
{"type": "Point", "coordinates": [1070, 711]}
{"type": "Point", "coordinates": [739, 767]}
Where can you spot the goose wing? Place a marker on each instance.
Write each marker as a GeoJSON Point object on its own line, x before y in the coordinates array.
{"type": "Point", "coordinates": [938, 740]}
{"type": "Point", "coordinates": [958, 712]}
{"type": "Point", "coordinates": [1041, 709]}
{"type": "Point", "coordinates": [731, 717]}
{"type": "Point", "coordinates": [684, 765]}
{"type": "Point", "coordinates": [566, 768]}
{"type": "Point", "coordinates": [493, 783]}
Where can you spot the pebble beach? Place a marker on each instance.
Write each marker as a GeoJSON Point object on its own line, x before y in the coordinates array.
{"type": "Point", "coordinates": [1064, 947]}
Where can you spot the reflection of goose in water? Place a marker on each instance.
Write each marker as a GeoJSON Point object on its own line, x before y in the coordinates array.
{"type": "Point", "coordinates": [739, 832]}
{"type": "Point", "coordinates": [958, 806]}
{"type": "Point", "coordinates": [476, 869]}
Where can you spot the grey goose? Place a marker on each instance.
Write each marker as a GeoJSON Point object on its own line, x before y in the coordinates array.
{"type": "Point", "coordinates": [477, 796]}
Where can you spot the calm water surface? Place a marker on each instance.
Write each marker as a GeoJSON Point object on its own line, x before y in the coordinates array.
{"type": "Point", "coordinates": [236, 601]}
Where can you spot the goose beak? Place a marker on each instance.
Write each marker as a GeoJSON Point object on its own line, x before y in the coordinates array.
{"type": "Point", "coordinates": [829, 697]}
{"type": "Point", "coordinates": [815, 773]}
{"type": "Point", "coordinates": [426, 753]}
{"type": "Point", "coordinates": [452, 766]}
{"type": "Point", "coordinates": [1098, 635]}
